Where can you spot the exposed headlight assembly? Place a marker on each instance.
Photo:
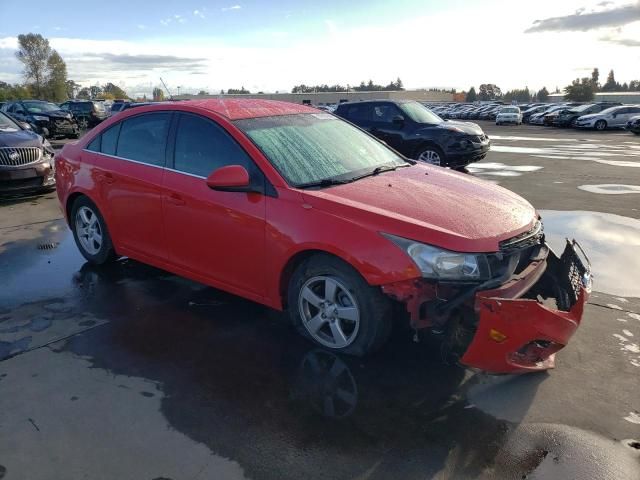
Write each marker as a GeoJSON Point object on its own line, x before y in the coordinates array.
{"type": "Point", "coordinates": [439, 264]}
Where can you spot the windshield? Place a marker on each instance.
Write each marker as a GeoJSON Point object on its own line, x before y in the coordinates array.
{"type": "Point", "coordinates": [312, 147]}
{"type": "Point", "coordinates": [38, 107]}
{"type": "Point", "coordinates": [7, 125]}
{"type": "Point", "coordinates": [609, 110]}
{"type": "Point", "coordinates": [510, 110]}
{"type": "Point", "coordinates": [419, 113]}
{"type": "Point", "coordinates": [581, 108]}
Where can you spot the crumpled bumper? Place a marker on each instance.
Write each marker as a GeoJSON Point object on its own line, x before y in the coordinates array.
{"type": "Point", "coordinates": [518, 335]}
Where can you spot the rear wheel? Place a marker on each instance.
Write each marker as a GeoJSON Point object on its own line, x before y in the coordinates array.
{"type": "Point", "coordinates": [330, 303]}
{"type": "Point", "coordinates": [432, 155]}
{"type": "Point", "coordinates": [90, 232]}
{"type": "Point", "coordinates": [600, 125]}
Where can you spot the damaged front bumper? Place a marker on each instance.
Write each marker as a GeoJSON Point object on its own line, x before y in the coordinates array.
{"type": "Point", "coordinates": [514, 327]}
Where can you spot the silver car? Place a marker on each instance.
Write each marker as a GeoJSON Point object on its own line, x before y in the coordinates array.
{"type": "Point", "coordinates": [614, 117]}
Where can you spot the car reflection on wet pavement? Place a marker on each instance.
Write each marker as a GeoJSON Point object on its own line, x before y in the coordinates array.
{"type": "Point", "coordinates": [131, 372]}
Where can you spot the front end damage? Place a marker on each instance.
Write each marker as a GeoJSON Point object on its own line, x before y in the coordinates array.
{"type": "Point", "coordinates": [511, 324]}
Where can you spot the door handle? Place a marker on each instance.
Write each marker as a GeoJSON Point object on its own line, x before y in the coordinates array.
{"type": "Point", "coordinates": [175, 199]}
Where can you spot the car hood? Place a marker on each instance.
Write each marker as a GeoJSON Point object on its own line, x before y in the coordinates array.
{"type": "Point", "coordinates": [431, 205]}
{"type": "Point", "coordinates": [469, 128]}
{"type": "Point", "coordinates": [19, 138]}
{"type": "Point", "coordinates": [53, 114]}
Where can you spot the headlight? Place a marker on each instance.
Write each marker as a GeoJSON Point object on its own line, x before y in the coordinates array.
{"type": "Point", "coordinates": [439, 264]}
{"type": "Point", "coordinates": [39, 118]}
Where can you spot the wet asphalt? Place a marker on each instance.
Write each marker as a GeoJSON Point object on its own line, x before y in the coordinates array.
{"type": "Point", "coordinates": [129, 372]}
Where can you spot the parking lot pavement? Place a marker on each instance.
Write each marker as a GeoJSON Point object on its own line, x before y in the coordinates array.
{"type": "Point", "coordinates": [129, 372]}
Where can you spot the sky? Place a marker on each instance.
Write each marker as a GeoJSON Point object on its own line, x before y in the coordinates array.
{"type": "Point", "coordinates": [273, 45]}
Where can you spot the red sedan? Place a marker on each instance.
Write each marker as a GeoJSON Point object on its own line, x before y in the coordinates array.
{"type": "Point", "coordinates": [297, 209]}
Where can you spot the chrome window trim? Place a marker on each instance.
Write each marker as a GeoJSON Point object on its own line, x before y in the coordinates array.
{"type": "Point", "coordinates": [145, 164]}
{"type": "Point", "coordinates": [125, 159]}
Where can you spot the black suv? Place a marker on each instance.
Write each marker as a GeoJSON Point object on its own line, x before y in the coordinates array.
{"type": "Point", "coordinates": [87, 113]}
{"type": "Point", "coordinates": [26, 159]}
{"type": "Point", "coordinates": [568, 118]}
{"type": "Point", "coordinates": [45, 118]}
{"type": "Point", "coordinates": [418, 133]}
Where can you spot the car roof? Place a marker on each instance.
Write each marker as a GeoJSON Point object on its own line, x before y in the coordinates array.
{"type": "Point", "coordinates": [379, 100]}
{"type": "Point", "coordinates": [241, 108]}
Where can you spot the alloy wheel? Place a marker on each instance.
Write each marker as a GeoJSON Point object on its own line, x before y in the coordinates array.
{"type": "Point", "coordinates": [601, 125]}
{"type": "Point", "coordinates": [430, 156]}
{"type": "Point", "coordinates": [89, 230]}
{"type": "Point", "coordinates": [329, 312]}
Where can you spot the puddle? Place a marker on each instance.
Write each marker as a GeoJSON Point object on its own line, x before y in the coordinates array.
{"type": "Point", "coordinates": [577, 150]}
{"type": "Point", "coordinates": [610, 189]}
{"type": "Point", "coordinates": [534, 139]}
{"type": "Point", "coordinates": [501, 169]}
{"type": "Point", "coordinates": [618, 163]}
{"type": "Point", "coordinates": [611, 241]}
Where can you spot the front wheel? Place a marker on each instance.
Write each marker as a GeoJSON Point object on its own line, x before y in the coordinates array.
{"type": "Point", "coordinates": [330, 303]}
{"type": "Point", "coordinates": [90, 232]}
{"type": "Point", "coordinates": [431, 155]}
{"type": "Point", "coordinates": [600, 125]}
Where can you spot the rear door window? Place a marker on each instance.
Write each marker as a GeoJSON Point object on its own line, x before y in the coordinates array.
{"type": "Point", "coordinates": [359, 113]}
{"type": "Point", "coordinates": [202, 146]}
{"type": "Point", "coordinates": [383, 113]}
{"type": "Point", "coordinates": [143, 138]}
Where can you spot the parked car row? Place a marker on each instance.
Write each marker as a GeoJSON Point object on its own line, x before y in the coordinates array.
{"type": "Point", "coordinates": [598, 115]}
{"type": "Point", "coordinates": [65, 120]}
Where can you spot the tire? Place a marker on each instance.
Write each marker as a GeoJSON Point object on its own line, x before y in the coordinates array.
{"type": "Point", "coordinates": [432, 155]}
{"type": "Point", "coordinates": [366, 319]}
{"type": "Point", "coordinates": [86, 218]}
{"type": "Point", "coordinates": [600, 125]}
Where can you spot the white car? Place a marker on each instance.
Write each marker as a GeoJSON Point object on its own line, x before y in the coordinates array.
{"type": "Point", "coordinates": [509, 115]}
{"type": "Point", "coordinates": [614, 117]}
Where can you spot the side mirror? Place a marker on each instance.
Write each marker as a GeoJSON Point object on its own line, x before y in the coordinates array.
{"type": "Point", "coordinates": [232, 178]}
{"type": "Point", "coordinates": [398, 120]}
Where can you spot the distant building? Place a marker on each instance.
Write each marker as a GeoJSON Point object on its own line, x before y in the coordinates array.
{"type": "Point", "coordinates": [329, 98]}
{"type": "Point", "coordinates": [622, 97]}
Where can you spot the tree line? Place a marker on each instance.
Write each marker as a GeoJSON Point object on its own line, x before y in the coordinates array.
{"type": "Point", "coordinates": [584, 89]}
{"type": "Point", "coordinates": [489, 92]}
{"type": "Point", "coordinates": [369, 86]}
{"type": "Point", "coordinates": [45, 76]}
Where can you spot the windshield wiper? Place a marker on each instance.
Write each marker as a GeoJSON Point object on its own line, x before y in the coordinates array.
{"type": "Point", "coordinates": [325, 182]}
{"type": "Point", "coordinates": [381, 169]}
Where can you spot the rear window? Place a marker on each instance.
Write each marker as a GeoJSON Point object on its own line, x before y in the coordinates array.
{"type": "Point", "coordinates": [110, 140]}
{"type": "Point", "coordinates": [143, 138]}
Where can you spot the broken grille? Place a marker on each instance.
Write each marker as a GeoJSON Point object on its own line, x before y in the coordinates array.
{"type": "Point", "coordinates": [535, 236]}
{"type": "Point", "coordinates": [18, 156]}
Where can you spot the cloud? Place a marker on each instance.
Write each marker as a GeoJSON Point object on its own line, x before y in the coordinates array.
{"type": "Point", "coordinates": [198, 13]}
{"type": "Point", "coordinates": [141, 26]}
{"type": "Point", "coordinates": [147, 61]}
{"type": "Point", "coordinates": [625, 42]}
{"type": "Point", "coordinates": [232, 7]}
{"type": "Point", "coordinates": [582, 22]}
{"type": "Point", "coordinates": [173, 18]}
